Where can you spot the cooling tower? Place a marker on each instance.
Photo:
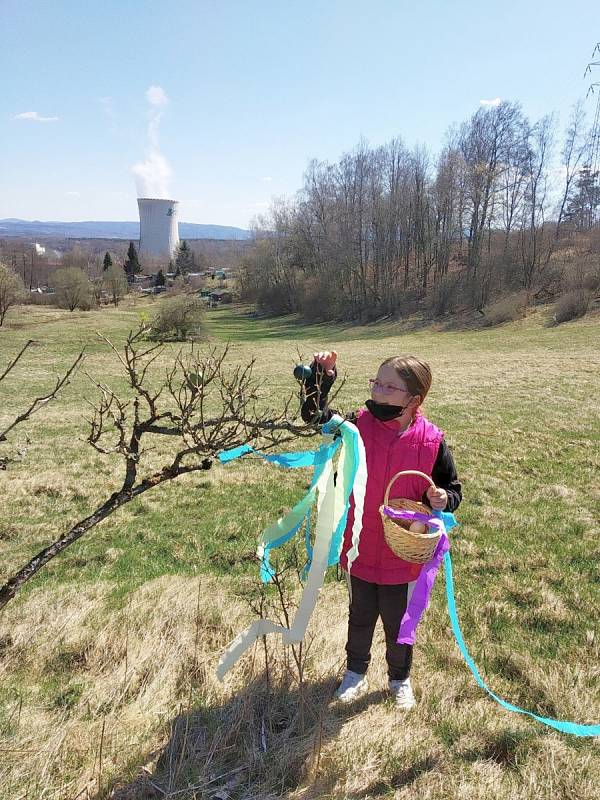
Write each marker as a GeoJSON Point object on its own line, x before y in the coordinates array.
{"type": "Point", "coordinates": [159, 233]}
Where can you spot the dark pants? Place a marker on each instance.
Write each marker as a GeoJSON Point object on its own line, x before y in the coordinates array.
{"type": "Point", "coordinates": [370, 601]}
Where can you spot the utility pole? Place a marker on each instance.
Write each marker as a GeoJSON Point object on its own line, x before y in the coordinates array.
{"type": "Point", "coordinates": [594, 135]}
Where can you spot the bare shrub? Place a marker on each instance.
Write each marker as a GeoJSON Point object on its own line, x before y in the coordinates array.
{"type": "Point", "coordinates": [594, 240]}
{"type": "Point", "coordinates": [275, 299]}
{"type": "Point", "coordinates": [571, 305]}
{"type": "Point", "coordinates": [318, 299]}
{"type": "Point", "coordinates": [508, 309]}
{"type": "Point", "coordinates": [177, 287]}
{"type": "Point", "coordinates": [41, 299]}
{"type": "Point", "coordinates": [548, 282]}
{"type": "Point", "coordinates": [179, 318]}
{"type": "Point", "coordinates": [444, 296]}
{"type": "Point", "coordinates": [591, 281]}
{"type": "Point", "coordinates": [406, 301]}
{"type": "Point", "coordinates": [196, 387]}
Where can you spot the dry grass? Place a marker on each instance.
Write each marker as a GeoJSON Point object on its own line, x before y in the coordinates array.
{"type": "Point", "coordinates": [107, 661]}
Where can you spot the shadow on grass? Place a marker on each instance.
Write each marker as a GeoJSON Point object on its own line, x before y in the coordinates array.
{"type": "Point", "coordinates": [404, 777]}
{"type": "Point", "coordinates": [509, 749]}
{"type": "Point", "coordinates": [264, 741]}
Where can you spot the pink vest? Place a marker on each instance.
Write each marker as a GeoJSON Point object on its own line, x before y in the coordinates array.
{"type": "Point", "coordinates": [389, 452]}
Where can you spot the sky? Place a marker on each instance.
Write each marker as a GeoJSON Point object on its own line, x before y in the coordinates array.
{"type": "Point", "coordinates": [221, 104]}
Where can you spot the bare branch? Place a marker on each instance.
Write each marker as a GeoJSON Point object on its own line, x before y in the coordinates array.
{"type": "Point", "coordinates": [209, 406]}
{"type": "Point", "coordinates": [17, 357]}
{"type": "Point", "coordinates": [40, 402]}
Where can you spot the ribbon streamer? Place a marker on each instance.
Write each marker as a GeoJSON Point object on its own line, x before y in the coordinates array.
{"type": "Point", "coordinates": [573, 728]}
{"type": "Point", "coordinates": [332, 499]}
{"type": "Point", "coordinates": [419, 591]}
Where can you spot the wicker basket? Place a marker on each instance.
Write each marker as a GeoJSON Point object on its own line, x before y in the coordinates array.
{"type": "Point", "coordinates": [409, 545]}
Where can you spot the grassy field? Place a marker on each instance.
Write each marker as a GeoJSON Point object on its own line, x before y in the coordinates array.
{"type": "Point", "coordinates": [107, 656]}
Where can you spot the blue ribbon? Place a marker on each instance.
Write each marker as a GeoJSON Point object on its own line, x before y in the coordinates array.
{"type": "Point", "coordinates": [573, 728]}
{"type": "Point", "coordinates": [309, 458]}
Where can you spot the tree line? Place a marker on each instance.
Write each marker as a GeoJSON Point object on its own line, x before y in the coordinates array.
{"type": "Point", "coordinates": [388, 230]}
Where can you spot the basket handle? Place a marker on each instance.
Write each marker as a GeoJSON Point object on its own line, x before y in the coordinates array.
{"type": "Point", "coordinates": [405, 472]}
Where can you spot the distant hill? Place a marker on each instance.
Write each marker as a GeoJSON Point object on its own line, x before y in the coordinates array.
{"type": "Point", "coordinates": [112, 230]}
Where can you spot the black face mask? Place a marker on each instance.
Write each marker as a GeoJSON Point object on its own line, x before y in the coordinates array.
{"type": "Point", "coordinates": [383, 411]}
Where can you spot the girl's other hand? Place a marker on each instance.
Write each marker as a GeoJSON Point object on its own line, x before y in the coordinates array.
{"type": "Point", "coordinates": [327, 359]}
{"type": "Point", "coordinates": [438, 498]}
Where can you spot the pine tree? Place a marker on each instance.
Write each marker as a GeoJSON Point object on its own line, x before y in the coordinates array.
{"type": "Point", "coordinates": [132, 265]}
{"type": "Point", "coordinates": [160, 278]}
{"type": "Point", "coordinates": [185, 259]}
{"type": "Point", "coordinates": [108, 262]}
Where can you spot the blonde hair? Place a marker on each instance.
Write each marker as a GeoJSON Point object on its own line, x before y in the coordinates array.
{"type": "Point", "coordinates": [415, 373]}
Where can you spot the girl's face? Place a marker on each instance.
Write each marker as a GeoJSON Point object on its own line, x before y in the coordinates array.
{"type": "Point", "coordinates": [389, 388]}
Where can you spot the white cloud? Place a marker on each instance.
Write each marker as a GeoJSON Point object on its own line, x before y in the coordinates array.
{"type": "Point", "coordinates": [267, 179]}
{"type": "Point", "coordinates": [33, 116]}
{"type": "Point", "coordinates": [73, 194]}
{"type": "Point", "coordinates": [495, 102]}
{"type": "Point", "coordinates": [156, 96]}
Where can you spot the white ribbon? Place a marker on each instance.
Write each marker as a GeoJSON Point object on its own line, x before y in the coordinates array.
{"type": "Point", "coordinates": [331, 507]}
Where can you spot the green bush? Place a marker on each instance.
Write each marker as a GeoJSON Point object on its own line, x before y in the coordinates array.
{"type": "Point", "coordinates": [179, 318]}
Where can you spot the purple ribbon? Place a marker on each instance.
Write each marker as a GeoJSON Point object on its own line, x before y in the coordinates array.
{"type": "Point", "coordinates": [413, 516]}
{"type": "Point", "coordinates": [421, 595]}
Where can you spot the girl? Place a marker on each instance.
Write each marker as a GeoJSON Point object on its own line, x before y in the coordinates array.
{"type": "Point", "coordinates": [396, 437]}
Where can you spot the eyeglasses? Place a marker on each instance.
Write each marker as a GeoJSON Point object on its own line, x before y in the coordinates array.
{"type": "Point", "coordinates": [386, 388]}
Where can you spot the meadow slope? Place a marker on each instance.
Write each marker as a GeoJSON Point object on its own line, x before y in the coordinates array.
{"type": "Point", "coordinates": [107, 657]}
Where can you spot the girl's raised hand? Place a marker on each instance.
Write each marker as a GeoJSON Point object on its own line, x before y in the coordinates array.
{"type": "Point", "coordinates": [327, 359]}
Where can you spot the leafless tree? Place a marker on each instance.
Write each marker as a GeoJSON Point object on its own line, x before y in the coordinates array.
{"type": "Point", "coordinates": [115, 283]}
{"type": "Point", "coordinates": [203, 405]}
{"type": "Point", "coordinates": [536, 244]}
{"type": "Point", "coordinates": [12, 290]}
{"type": "Point", "coordinates": [575, 153]}
{"type": "Point", "coordinates": [447, 203]}
{"type": "Point", "coordinates": [486, 141]}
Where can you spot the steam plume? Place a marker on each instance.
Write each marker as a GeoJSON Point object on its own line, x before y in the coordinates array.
{"type": "Point", "coordinates": [153, 173]}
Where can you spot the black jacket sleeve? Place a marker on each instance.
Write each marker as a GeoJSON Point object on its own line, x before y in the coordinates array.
{"type": "Point", "coordinates": [444, 476]}
{"type": "Point", "coordinates": [314, 395]}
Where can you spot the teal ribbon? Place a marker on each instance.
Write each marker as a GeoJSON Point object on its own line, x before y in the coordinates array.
{"type": "Point", "coordinates": [349, 436]}
{"type": "Point", "coordinates": [309, 458]}
{"type": "Point", "coordinates": [572, 728]}
{"type": "Point", "coordinates": [301, 511]}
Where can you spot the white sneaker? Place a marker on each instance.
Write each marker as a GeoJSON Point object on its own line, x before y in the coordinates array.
{"type": "Point", "coordinates": [402, 691]}
{"type": "Point", "coordinates": [353, 684]}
